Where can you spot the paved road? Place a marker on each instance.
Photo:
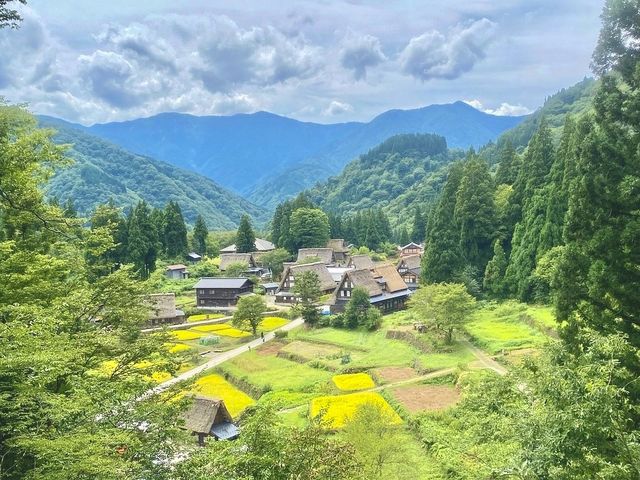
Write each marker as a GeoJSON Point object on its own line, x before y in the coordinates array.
{"type": "Point", "coordinates": [225, 356]}
{"type": "Point", "coordinates": [485, 360]}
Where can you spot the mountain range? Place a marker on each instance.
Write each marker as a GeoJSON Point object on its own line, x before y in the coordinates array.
{"type": "Point", "coordinates": [101, 171]}
{"type": "Point", "coordinates": [266, 157]}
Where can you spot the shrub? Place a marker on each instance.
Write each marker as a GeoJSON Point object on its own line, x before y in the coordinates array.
{"type": "Point", "coordinates": [281, 334]}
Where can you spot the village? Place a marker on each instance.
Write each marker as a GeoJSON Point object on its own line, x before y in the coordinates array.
{"type": "Point", "coordinates": [402, 367]}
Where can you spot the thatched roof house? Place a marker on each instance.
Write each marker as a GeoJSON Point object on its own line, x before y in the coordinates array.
{"type": "Point", "coordinates": [208, 417]}
{"type": "Point", "coordinates": [360, 262]}
{"type": "Point", "coordinates": [327, 283]}
{"type": "Point", "coordinates": [261, 245]}
{"type": "Point", "coordinates": [324, 255]}
{"type": "Point", "coordinates": [227, 259]}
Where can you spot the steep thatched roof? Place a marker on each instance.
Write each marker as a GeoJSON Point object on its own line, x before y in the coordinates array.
{"type": "Point", "coordinates": [260, 244]}
{"type": "Point", "coordinates": [324, 254]}
{"type": "Point", "coordinates": [364, 279]}
{"type": "Point", "coordinates": [410, 262]}
{"type": "Point", "coordinates": [326, 280]}
{"type": "Point", "coordinates": [337, 245]}
{"type": "Point", "coordinates": [361, 262]}
{"type": "Point", "coordinates": [227, 259]}
{"type": "Point", "coordinates": [203, 413]}
{"type": "Point", "coordinates": [391, 277]}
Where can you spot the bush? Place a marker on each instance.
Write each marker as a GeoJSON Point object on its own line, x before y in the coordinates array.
{"type": "Point", "coordinates": [281, 333]}
{"type": "Point", "coordinates": [209, 340]}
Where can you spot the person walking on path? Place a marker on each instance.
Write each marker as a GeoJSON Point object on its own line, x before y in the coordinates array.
{"type": "Point", "coordinates": [262, 336]}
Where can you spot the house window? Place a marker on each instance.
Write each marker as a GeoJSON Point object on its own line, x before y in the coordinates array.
{"type": "Point", "coordinates": [348, 293]}
{"type": "Point", "coordinates": [201, 291]}
{"type": "Point", "coordinates": [201, 302]}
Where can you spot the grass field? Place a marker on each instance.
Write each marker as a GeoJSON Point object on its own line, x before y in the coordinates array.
{"type": "Point", "coordinates": [506, 326]}
{"type": "Point", "coordinates": [274, 372]}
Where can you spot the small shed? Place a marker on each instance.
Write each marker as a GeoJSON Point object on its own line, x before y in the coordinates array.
{"type": "Point", "coordinates": [176, 272]}
{"type": "Point", "coordinates": [270, 288]}
{"type": "Point", "coordinates": [193, 257]}
{"type": "Point", "coordinates": [207, 417]}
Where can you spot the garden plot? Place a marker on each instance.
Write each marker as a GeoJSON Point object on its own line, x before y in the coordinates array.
{"type": "Point", "coordinates": [418, 398]}
{"type": "Point", "coordinates": [310, 351]}
{"type": "Point", "coordinates": [336, 410]}
{"type": "Point", "coordinates": [394, 374]}
{"type": "Point", "coordinates": [353, 381]}
{"type": "Point", "coordinates": [216, 387]}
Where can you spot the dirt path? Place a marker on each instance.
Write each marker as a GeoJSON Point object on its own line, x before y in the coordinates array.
{"type": "Point", "coordinates": [225, 356]}
{"type": "Point", "coordinates": [485, 360]}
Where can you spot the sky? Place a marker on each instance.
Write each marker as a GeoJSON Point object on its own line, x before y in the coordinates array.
{"type": "Point", "coordinates": [324, 61]}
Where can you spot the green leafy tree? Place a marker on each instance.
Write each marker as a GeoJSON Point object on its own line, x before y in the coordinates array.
{"type": "Point", "coordinates": [272, 450]}
{"type": "Point", "coordinates": [380, 444]}
{"type": "Point", "coordinates": [249, 313]}
{"type": "Point", "coordinates": [9, 17]}
{"type": "Point", "coordinates": [309, 228]}
{"type": "Point", "coordinates": [175, 231]}
{"type": "Point", "coordinates": [445, 307]}
{"type": "Point", "coordinates": [359, 312]}
{"type": "Point", "coordinates": [236, 269]}
{"type": "Point", "coordinates": [200, 234]}
{"type": "Point", "coordinates": [107, 220]}
{"type": "Point", "coordinates": [245, 238]}
{"type": "Point", "coordinates": [274, 260]}
{"type": "Point", "coordinates": [307, 291]}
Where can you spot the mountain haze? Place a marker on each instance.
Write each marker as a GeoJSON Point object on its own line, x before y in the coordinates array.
{"type": "Point", "coordinates": [102, 171]}
{"type": "Point", "coordinates": [267, 157]}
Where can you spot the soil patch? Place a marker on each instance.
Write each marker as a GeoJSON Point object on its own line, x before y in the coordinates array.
{"type": "Point", "coordinates": [270, 348]}
{"type": "Point", "coordinates": [309, 350]}
{"type": "Point", "coordinates": [394, 374]}
{"type": "Point", "coordinates": [418, 398]}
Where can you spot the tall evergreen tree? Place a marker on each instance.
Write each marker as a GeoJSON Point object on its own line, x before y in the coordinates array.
{"type": "Point", "coordinates": [309, 228]}
{"type": "Point", "coordinates": [508, 166]}
{"type": "Point", "coordinates": [530, 194]}
{"type": "Point", "coordinates": [142, 240]}
{"type": "Point", "coordinates": [598, 279]}
{"type": "Point", "coordinates": [493, 281]}
{"type": "Point", "coordinates": [245, 238]}
{"type": "Point", "coordinates": [175, 231]}
{"type": "Point", "coordinates": [157, 218]}
{"type": "Point", "coordinates": [200, 234]}
{"type": "Point", "coordinates": [418, 232]}
{"type": "Point", "coordinates": [442, 259]}
{"type": "Point", "coordinates": [474, 213]}
{"type": "Point", "coordinates": [403, 238]}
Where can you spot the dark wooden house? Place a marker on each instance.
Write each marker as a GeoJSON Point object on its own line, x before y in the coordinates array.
{"type": "Point", "coordinates": [409, 270]}
{"type": "Point", "coordinates": [285, 290]}
{"type": "Point", "coordinates": [387, 291]}
{"type": "Point", "coordinates": [221, 292]}
{"type": "Point", "coordinates": [411, 249]}
{"type": "Point", "coordinates": [210, 418]}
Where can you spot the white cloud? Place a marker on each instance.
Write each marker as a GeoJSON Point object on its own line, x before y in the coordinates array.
{"type": "Point", "coordinates": [504, 110]}
{"type": "Point", "coordinates": [434, 55]}
{"type": "Point", "coordinates": [337, 108]}
{"type": "Point", "coordinates": [360, 52]}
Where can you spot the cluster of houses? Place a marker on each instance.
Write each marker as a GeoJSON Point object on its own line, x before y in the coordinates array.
{"type": "Point", "coordinates": [388, 285]}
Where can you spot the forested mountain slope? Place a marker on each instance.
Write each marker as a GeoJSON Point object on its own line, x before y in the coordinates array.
{"type": "Point", "coordinates": [403, 172]}
{"type": "Point", "coordinates": [268, 157]}
{"type": "Point", "coordinates": [102, 171]}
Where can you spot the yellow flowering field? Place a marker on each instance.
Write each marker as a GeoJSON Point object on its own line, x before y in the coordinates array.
{"type": "Point", "coordinates": [204, 316]}
{"type": "Point", "coordinates": [353, 381]}
{"type": "Point", "coordinates": [177, 347]}
{"type": "Point", "coordinates": [211, 328]}
{"type": "Point", "coordinates": [232, 332]}
{"type": "Point", "coordinates": [271, 323]}
{"type": "Point", "coordinates": [186, 335]}
{"type": "Point", "coordinates": [338, 409]}
{"type": "Point", "coordinates": [215, 386]}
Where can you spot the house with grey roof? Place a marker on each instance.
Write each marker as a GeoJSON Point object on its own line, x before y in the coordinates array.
{"type": "Point", "coordinates": [176, 272]}
{"type": "Point", "coordinates": [221, 292]}
{"type": "Point", "coordinates": [409, 269]}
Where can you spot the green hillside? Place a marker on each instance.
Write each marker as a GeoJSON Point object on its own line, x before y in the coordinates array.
{"type": "Point", "coordinates": [102, 171]}
{"type": "Point", "coordinates": [403, 172]}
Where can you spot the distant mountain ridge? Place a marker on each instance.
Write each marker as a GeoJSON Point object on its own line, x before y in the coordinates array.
{"type": "Point", "coordinates": [267, 157]}
{"type": "Point", "coordinates": [103, 171]}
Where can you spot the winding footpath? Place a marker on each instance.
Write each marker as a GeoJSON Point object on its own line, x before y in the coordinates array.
{"type": "Point", "coordinates": [225, 356]}
{"type": "Point", "coordinates": [485, 360]}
